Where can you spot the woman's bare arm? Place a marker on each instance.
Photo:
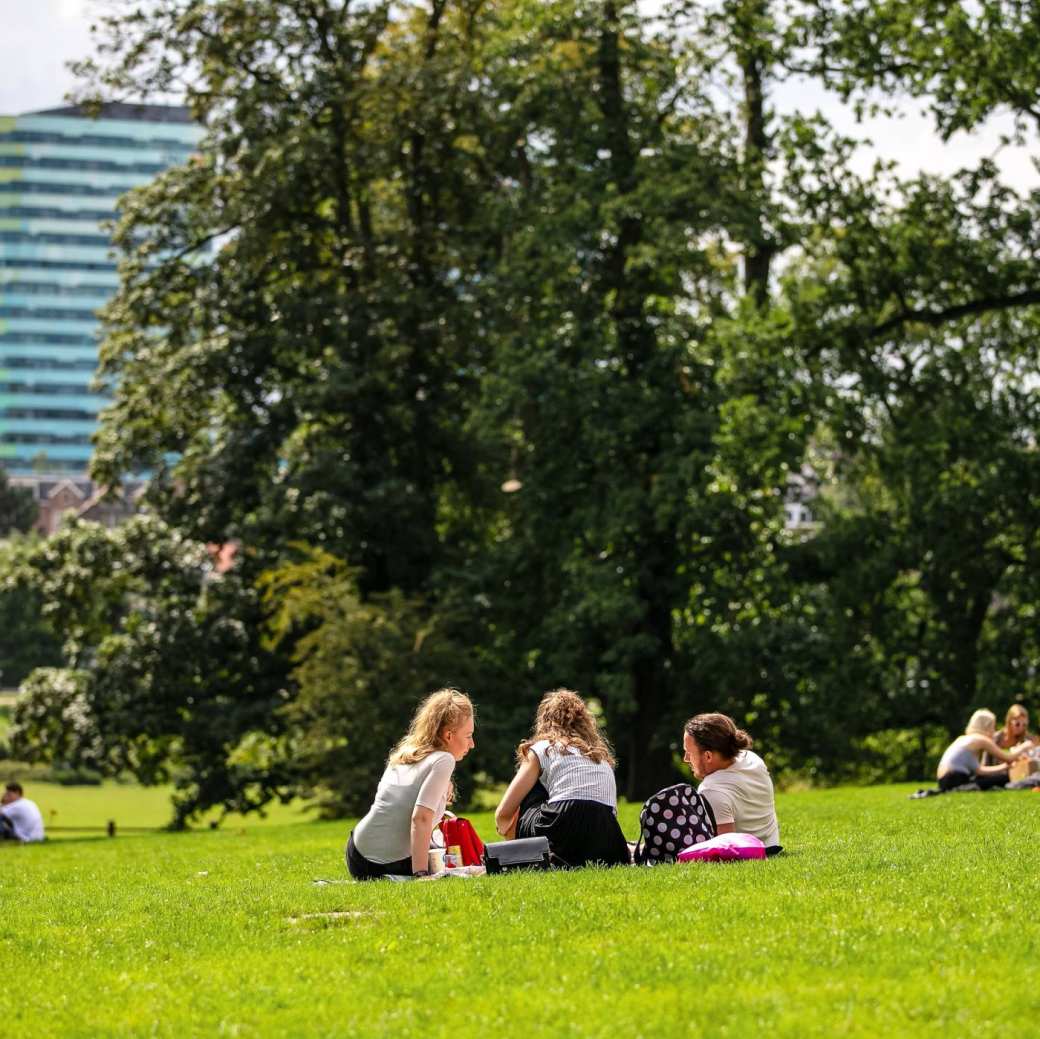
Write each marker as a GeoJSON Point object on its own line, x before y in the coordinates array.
{"type": "Point", "coordinates": [523, 782]}
{"type": "Point", "coordinates": [422, 828]}
{"type": "Point", "coordinates": [986, 744]}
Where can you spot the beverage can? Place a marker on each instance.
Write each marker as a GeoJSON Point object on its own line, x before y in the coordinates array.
{"type": "Point", "coordinates": [453, 856]}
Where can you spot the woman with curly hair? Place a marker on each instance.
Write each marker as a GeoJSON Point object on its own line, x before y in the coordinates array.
{"type": "Point", "coordinates": [394, 837]}
{"type": "Point", "coordinates": [564, 787]}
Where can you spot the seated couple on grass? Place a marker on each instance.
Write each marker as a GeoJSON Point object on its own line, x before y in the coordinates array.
{"type": "Point", "coordinates": [564, 788]}
{"type": "Point", "coordinates": [980, 757]}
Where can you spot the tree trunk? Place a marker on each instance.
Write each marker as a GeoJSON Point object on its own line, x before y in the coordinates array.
{"type": "Point", "coordinates": [959, 665]}
{"type": "Point", "coordinates": [760, 248]}
{"type": "Point", "coordinates": [650, 552]}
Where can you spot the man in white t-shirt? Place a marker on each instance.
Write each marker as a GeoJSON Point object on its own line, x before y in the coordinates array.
{"type": "Point", "coordinates": [20, 819]}
{"type": "Point", "coordinates": [734, 780]}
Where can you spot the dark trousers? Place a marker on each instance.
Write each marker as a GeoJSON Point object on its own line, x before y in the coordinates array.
{"type": "Point", "coordinates": [361, 869]}
{"type": "Point", "coordinates": [983, 782]}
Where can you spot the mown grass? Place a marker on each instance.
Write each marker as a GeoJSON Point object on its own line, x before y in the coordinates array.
{"type": "Point", "coordinates": [130, 806]}
{"type": "Point", "coordinates": [884, 916]}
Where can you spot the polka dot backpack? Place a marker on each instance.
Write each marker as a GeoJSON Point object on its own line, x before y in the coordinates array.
{"type": "Point", "coordinates": [673, 819]}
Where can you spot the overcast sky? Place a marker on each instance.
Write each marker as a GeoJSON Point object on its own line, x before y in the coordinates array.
{"type": "Point", "coordinates": [40, 36]}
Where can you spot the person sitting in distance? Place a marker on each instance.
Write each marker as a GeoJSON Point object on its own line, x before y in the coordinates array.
{"type": "Point", "coordinates": [960, 763]}
{"type": "Point", "coordinates": [394, 837]}
{"type": "Point", "coordinates": [20, 819]}
{"type": "Point", "coordinates": [564, 788]}
{"type": "Point", "coordinates": [1014, 732]}
{"type": "Point", "coordinates": [733, 779]}
{"type": "Point", "coordinates": [1016, 729]}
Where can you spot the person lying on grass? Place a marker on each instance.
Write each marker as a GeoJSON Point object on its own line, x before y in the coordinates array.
{"type": "Point", "coordinates": [733, 779]}
{"type": "Point", "coordinates": [394, 837]}
{"type": "Point", "coordinates": [959, 763]}
{"type": "Point", "coordinates": [564, 788]}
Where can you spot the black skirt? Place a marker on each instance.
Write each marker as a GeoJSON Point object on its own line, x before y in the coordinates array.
{"type": "Point", "coordinates": [580, 833]}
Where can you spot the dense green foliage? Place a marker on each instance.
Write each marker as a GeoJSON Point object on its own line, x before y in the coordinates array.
{"type": "Point", "coordinates": [360, 667]}
{"type": "Point", "coordinates": [883, 917]}
{"type": "Point", "coordinates": [27, 641]}
{"type": "Point", "coordinates": [523, 318]}
{"type": "Point", "coordinates": [17, 508]}
{"type": "Point", "coordinates": [164, 675]}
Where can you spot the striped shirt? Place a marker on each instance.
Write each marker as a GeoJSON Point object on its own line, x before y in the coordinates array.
{"type": "Point", "coordinates": [570, 776]}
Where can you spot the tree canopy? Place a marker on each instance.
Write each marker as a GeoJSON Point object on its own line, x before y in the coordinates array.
{"type": "Point", "coordinates": [525, 317]}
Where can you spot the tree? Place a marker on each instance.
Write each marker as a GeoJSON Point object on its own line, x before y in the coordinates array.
{"type": "Point", "coordinates": [293, 323]}
{"type": "Point", "coordinates": [967, 60]}
{"type": "Point", "coordinates": [26, 639]}
{"type": "Point", "coordinates": [571, 251]}
{"type": "Point", "coordinates": [361, 667]}
{"type": "Point", "coordinates": [17, 507]}
{"type": "Point", "coordinates": [163, 675]}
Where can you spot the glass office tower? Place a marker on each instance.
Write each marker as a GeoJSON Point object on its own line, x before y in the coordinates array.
{"type": "Point", "coordinates": [60, 175]}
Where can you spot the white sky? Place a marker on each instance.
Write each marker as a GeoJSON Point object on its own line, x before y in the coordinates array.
{"type": "Point", "coordinates": [39, 36]}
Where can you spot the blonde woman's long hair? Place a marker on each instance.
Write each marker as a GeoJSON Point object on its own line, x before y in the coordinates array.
{"type": "Point", "coordinates": [444, 709]}
{"type": "Point", "coordinates": [982, 722]}
{"type": "Point", "coordinates": [563, 718]}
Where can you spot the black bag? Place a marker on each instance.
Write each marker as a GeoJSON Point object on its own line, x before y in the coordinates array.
{"type": "Point", "coordinates": [525, 853]}
{"type": "Point", "coordinates": [671, 820]}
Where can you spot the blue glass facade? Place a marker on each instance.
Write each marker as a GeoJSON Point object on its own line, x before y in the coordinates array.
{"type": "Point", "coordinates": [60, 175]}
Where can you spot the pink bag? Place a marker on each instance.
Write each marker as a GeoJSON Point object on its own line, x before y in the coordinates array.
{"type": "Point", "coordinates": [725, 848]}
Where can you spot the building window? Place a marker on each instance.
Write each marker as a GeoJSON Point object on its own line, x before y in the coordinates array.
{"type": "Point", "coordinates": [55, 389]}
{"type": "Point", "coordinates": [53, 213]}
{"type": "Point", "coordinates": [92, 140]}
{"type": "Point", "coordinates": [47, 364]}
{"type": "Point", "coordinates": [49, 313]}
{"type": "Point", "coordinates": [42, 288]}
{"type": "Point", "coordinates": [44, 438]}
{"type": "Point", "coordinates": [50, 413]}
{"type": "Point", "coordinates": [47, 339]}
{"type": "Point", "coordinates": [30, 187]}
{"type": "Point", "coordinates": [84, 165]}
{"type": "Point", "coordinates": [31, 238]}
{"type": "Point", "coordinates": [59, 265]}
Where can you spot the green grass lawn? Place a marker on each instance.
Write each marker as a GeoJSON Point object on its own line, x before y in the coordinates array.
{"type": "Point", "coordinates": [129, 806]}
{"type": "Point", "coordinates": [885, 916]}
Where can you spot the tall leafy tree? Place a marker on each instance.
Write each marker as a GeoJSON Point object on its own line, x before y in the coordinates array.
{"type": "Point", "coordinates": [17, 508]}
{"type": "Point", "coordinates": [27, 641]}
{"type": "Point", "coordinates": [293, 326]}
{"type": "Point", "coordinates": [532, 310]}
{"type": "Point", "coordinates": [925, 332]}
{"type": "Point", "coordinates": [162, 677]}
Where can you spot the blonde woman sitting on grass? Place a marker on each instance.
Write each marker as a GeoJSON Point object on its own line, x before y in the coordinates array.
{"type": "Point", "coordinates": [564, 789]}
{"type": "Point", "coordinates": [960, 761]}
{"type": "Point", "coordinates": [394, 837]}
